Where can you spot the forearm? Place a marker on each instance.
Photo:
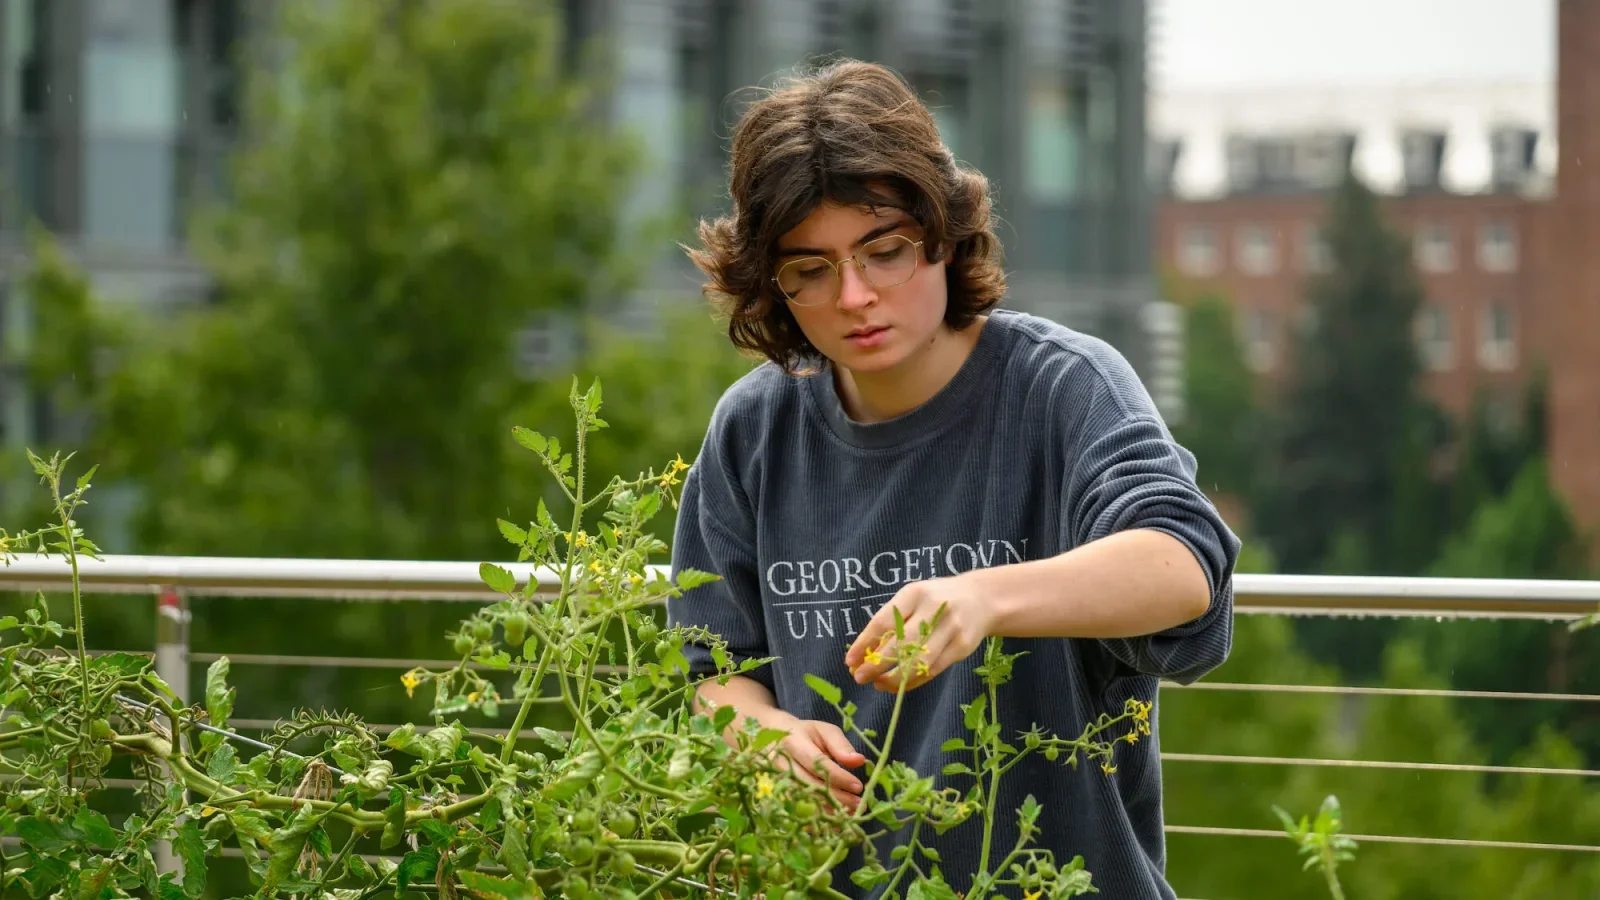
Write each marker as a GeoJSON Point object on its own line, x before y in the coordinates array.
{"type": "Point", "coordinates": [1128, 584]}
{"type": "Point", "coordinates": [749, 698]}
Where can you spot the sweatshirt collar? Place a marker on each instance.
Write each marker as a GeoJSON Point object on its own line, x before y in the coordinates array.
{"type": "Point", "coordinates": [940, 411]}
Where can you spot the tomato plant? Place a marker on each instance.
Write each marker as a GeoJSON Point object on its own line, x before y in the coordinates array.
{"type": "Point", "coordinates": [650, 793]}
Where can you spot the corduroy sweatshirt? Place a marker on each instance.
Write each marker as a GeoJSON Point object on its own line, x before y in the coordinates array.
{"type": "Point", "coordinates": [1043, 441]}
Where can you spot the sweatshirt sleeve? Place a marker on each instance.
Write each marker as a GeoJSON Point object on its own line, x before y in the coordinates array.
{"type": "Point", "coordinates": [714, 533]}
{"type": "Point", "coordinates": [1126, 471]}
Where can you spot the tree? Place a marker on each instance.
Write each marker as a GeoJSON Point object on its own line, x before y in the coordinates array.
{"type": "Point", "coordinates": [416, 182]}
{"type": "Point", "coordinates": [1221, 421]}
{"type": "Point", "coordinates": [1348, 421]}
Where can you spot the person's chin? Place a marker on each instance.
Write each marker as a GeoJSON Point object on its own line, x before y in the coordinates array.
{"type": "Point", "coordinates": [868, 361]}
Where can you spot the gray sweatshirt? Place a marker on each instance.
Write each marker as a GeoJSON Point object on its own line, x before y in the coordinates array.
{"type": "Point", "coordinates": [1044, 440]}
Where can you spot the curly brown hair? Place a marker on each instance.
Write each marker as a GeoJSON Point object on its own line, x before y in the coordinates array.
{"type": "Point", "coordinates": [854, 134]}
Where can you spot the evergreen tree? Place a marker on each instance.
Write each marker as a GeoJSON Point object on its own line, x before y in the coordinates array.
{"type": "Point", "coordinates": [1221, 421]}
{"type": "Point", "coordinates": [1347, 422]}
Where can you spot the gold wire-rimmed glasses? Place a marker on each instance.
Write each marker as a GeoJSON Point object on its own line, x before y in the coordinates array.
{"type": "Point", "coordinates": [814, 280]}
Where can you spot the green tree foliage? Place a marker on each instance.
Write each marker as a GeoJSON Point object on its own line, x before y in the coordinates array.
{"type": "Point", "coordinates": [418, 180]}
{"type": "Point", "coordinates": [1424, 728]}
{"type": "Point", "coordinates": [1347, 421]}
{"type": "Point", "coordinates": [1221, 421]}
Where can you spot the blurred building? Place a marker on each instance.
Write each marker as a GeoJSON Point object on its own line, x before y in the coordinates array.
{"type": "Point", "coordinates": [1046, 97]}
{"type": "Point", "coordinates": [1574, 291]}
{"type": "Point", "coordinates": [1255, 238]}
{"type": "Point", "coordinates": [116, 115]}
{"type": "Point", "coordinates": [1503, 220]}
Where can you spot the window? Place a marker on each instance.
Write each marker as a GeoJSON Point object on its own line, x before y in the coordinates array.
{"type": "Point", "coordinates": [1315, 254]}
{"type": "Point", "coordinates": [1257, 250]}
{"type": "Point", "coordinates": [1435, 248]}
{"type": "Point", "coordinates": [1497, 246]}
{"type": "Point", "coordinates": [1054, 132]}
{"type": "Point", "coordinates": [1436, 338]}
{"type": "Point", "coordinates": [1497, 339]}
{"type": "Point", "coordinates": [1259, 339]}
{"type": "Point", "coordinates": [1197, 250]}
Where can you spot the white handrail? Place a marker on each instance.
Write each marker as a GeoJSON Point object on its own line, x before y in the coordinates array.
{"type": "Point", "coordinates": [417, 579]}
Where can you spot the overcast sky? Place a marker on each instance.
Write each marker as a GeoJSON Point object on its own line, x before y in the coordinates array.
{"type": "Point", "coordinates": [1269, 43]}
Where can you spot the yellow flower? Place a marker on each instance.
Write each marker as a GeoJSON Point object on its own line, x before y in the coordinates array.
{"type": "Point", "coordinates": [1033, 895]}
{"type": "Point", "coordinates": [922, 667]}
{"type": "Point", "coordinates": [410, 680]}
{"type": "Point", "coordinates": [1108, 768]}
{"type": "Point", "coordinates": [636, 578]}
{"type": "Point", "coordinates": [581, 539]}
{"type": "Point", "coordinates": [874, 657]}
{"type": "Point", "coordinates": [594, 566]}
{"type": "Point", "coordinates": [763, 786]}
{"type": "Point", "coordinates": [208, 811]}
{"type": "Point", "coordinates": [473, 697]}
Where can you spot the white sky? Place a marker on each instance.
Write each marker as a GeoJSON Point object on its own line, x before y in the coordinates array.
{"type": "Point", "coordinates": [1201, 44]}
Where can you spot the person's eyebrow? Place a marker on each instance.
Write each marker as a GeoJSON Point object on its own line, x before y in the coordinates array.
{"type": "Point", "coordinates": [874, 234]}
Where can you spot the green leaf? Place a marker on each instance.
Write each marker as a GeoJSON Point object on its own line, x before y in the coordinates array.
{"type": "Point", "coordinates": [768, 736]}
{"type": "Point", "coordinates": [287, 842]}
{"type": "Point", "coordinates": [417, 867]}
{"type": "Point", "coordinates": [953, 744]}
{"type": "Point", "coordinates": [121, 663]}
{"type": "Point", "coordinates": [223, 764]}
{"type": "Point", "coordinates": [931, 889]}
{"type": "Point", "coordinates": [533, 440]}
{"type": "Point", "coordinates": [8, 622]}
{"type": "Point", "coordinates": [957, 769]}
{"type": "Point", "coordinates": [555, 739]}
{"type": "Point", "coordinates": [496, 578]}
{"type": "Point", "coordinates": [94, 827]}
{"type": "Point", "coordinates": [974, 712]}
{"type": "Point", "coordinates": [190, 846]}
{"type": "Point", "coordinates": [219, 702]}
{"type": "Point", "coordinates": [44, 835]}
{"type": "Point", "coordinates": [514, 851]}
{"type": "Point", "coordinates": [689, 579]}
{"type": "Point", "coordinates": [512, 533]}
{"type": "Point", "coordinates": [168, 889]}
{"type": "Point", "coordinates": [394, 819]}
{"type": "Point", "coordinates": [494, 887]}
{"type": "Point", "coordinates": [824, 689]}
{"type": "Point", "coordinates": [723, 717]}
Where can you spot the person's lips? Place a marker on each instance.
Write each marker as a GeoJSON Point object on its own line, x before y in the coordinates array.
{"type": "Point", "coordinates": [867, 335]}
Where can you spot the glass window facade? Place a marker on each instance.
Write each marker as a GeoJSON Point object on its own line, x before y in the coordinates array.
{"type": "Point", "coordinates": [132, 106]}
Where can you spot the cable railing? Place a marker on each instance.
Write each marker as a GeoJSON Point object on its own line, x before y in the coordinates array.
{"type": "Point", "coordinates": [173, 580]}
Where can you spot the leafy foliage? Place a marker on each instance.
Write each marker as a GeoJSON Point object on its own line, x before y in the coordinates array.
{"type": "Point", "coordinates": [650, 791]}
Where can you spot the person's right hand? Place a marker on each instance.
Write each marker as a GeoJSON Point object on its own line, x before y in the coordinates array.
{"type": "Point", "coordinates": [812, 743]}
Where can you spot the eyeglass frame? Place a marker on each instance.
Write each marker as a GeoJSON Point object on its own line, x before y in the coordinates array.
{"type": "Point", "coordinates": [838, 277]}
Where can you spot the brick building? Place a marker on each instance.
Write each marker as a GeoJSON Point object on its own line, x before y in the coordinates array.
{"type": "Point", "coordinates": [1508, 260]}
{"type": "Point", "coordinates": [1478, 256]}
{"type": "Point", "coordinates": [1574, 290]}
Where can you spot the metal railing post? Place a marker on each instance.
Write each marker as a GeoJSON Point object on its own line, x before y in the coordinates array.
{"type": "Point", "coordinates": [172, 666]}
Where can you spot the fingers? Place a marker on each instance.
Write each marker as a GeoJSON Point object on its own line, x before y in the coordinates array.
{"type": "Point", "coordinates": [803, 756]}
{"type": "Point", "coordinates": [833, 740]}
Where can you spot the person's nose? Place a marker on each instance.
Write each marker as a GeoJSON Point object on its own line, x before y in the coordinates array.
{"type": "Point", "coordinates": [855, 291]}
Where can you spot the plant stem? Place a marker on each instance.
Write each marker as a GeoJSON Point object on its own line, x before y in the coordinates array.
{"type": "Point", "coordinates": [991, 796]}
{"type": "Point", "coordinates": [1328, 866]}
{"type": "Point", "coordinates": [65, 511]}
{"type": "Point", "coordinates": [561, 601]}
{"type": "Point", "coordinates": [888, 741]}
{"type": "Point", "coordinates": [322, 885]}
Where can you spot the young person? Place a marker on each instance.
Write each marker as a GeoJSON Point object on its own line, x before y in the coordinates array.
{"type": "Point", "coordinates": [908, 444]}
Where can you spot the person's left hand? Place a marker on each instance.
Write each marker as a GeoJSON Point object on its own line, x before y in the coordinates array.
{"type": "Point", "coordinates": [957, 631]}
